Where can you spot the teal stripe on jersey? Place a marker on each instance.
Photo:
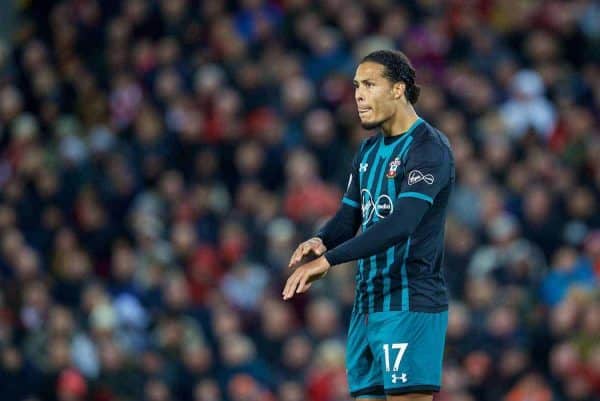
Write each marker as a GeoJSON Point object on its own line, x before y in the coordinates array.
{"type": "Point", "coordinates": [381, 162]}
{"type": "Point", "coordinates": [391, 256]}
{"type": "Point", "coordinates": [361, 262]}
{"type": "Point", "coordinates": [387, 153]}
{"type": "Point", "coordinates": [388, 150]}
{"type": "Point", "coordinates": [363, 160]}
{"type": "Point", "coordinates": [387, 280]}
{"type": "Point", "coordinates": [404, 276]}
{"type": "Point", "coordinates": [414, 125]}
{"type": "Point", "coordinates": [417, 195]}
{"type": "Point", "coordinates": [391, 252]}
{"type": "Point", "coordinates": [371, 176]}
{"type": "Point", "coordinates": [377, 162]}
{"type": "Point", "coordinates": [405, 148]}
{"type": "Point", "coordinates": [350, 202]}
{"type": "Point", "coordinates": [358, 300]}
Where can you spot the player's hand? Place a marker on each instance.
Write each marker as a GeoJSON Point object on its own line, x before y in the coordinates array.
{"type": "Point", "coordinates": [314, 245]}
{"type": "Point", "coordinates": [303, 276]}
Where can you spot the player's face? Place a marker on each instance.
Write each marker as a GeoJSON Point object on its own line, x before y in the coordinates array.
{"type": "Point", "coordinates": [373, 94]}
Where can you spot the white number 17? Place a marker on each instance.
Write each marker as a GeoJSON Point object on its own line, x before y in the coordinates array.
{"type": "Point", "coordinates": [401, 347]}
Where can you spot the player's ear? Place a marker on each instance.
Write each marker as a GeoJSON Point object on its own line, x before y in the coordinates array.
{"type": "Point", "coordinates": [398, 89]}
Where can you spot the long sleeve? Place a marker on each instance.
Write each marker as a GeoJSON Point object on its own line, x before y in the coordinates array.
{"type": "Point", "coordinates": [428, 170]}
{"type": "Point", "coordinates": [346, 221]}
{"type": "Point", "coordinates": [340, 227]}
{"type": "Point", "coordinates": [394, 229]}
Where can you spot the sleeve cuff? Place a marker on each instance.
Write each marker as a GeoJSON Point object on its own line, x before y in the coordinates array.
{"type": "Point", "coordinates": [331, 258]}
{"type": "Point", "coordinates": [417, 195]}
{"type": "Point", "coordinates": [321, 236]}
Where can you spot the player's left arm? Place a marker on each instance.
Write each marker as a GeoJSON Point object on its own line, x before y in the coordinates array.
{"type": "Point", "coordinates": [428, 171]}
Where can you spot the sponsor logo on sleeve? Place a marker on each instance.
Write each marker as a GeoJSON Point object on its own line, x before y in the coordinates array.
{"type": "Point", "coordinates": [416, 176]}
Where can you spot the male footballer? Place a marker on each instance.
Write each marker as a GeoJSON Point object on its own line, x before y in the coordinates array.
{"type": "Point", "coordinates": [397, 193]}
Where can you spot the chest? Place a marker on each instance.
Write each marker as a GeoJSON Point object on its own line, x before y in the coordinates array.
{"type": "Point", "coordinates": [379, 183]}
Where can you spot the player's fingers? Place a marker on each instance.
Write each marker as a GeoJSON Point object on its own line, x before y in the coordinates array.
{"type": "Point", "coordinates": [293, 258]}
{"type": "Point", "coordinates": [286, 291]}
{"type": "Point", "coordinates": [297, 255]}
{"type": "Point", "coordinates": [321, 249]}
{"type": "Point", "coordinates": [290, 287]}
{"type": "Point", "coordinates": [288, 284]}
{"type": "Point", "coordinates": [303, 285]}
{"type": "Point", "coordinates": [305, 250]}
{"type": "Point", "coordinates": [316, 245]}
{"type": "Point", "coordinates": [306, 278]}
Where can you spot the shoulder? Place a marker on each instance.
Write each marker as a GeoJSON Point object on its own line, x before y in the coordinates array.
{"type": "Point", "coordinates": [430, 144]}
{"type": "Point", "coordinates": [364, 146]}
{"type": "Point", "coordinates": [369, 142]}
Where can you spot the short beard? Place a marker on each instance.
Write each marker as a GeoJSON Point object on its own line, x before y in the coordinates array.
{"type": "Point", "coordinates": [370, 126]}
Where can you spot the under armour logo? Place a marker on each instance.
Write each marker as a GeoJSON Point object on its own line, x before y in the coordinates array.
{"type": "Point", "coordinates": [402, 377]}
{"type": "Point", "coordinates": [417, 176]}
{"type": "Point", "coordinates": [363, 167]}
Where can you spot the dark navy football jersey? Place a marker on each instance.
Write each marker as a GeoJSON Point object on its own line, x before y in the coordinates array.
{"type": "Point", "coordinates": [417, 164]}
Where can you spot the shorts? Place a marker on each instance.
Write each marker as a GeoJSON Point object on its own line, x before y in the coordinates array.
{"type": "Point", "coordinates": [395, 352]}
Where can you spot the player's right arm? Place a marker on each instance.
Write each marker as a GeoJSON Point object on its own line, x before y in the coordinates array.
{"type": "Point", "coordinates": [429, 169]}
{"type": "Point", "coordinates": [341, 227]}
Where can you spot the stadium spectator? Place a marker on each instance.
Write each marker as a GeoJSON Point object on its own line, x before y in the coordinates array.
{"type": "Point", "coordinates": [160, 159]}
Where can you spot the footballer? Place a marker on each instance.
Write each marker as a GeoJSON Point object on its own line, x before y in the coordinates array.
{"type": "Point", "coordinates": [397, 194]}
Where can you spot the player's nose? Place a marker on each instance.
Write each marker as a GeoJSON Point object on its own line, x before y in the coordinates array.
{"type": "Point", "coordinates": [359, 96]}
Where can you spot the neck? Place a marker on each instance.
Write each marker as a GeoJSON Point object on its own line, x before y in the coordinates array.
{"type": "Point", "coordinates": [400, 122]}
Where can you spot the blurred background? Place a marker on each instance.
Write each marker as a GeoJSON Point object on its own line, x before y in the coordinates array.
{"type": "Point", "coordinates": [161, 159]}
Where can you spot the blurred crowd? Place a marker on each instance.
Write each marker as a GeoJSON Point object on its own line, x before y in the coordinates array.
{"type": "Point", "coordinates": [161, 159]}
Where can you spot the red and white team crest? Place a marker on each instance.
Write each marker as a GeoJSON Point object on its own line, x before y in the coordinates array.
{"type": "Point", "coordinates": [394, 164]}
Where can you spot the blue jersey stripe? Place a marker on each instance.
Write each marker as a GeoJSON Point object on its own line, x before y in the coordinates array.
{"type": "Point", "coordinates": [404, 276]}
{"type": "Point", "coordinates": [373, 259]}
{"type": "Point", "coordinates": [405, 148]}
{"type": "Point", "coordinates": [414, 125]}
{"type": "Point", "coordinates": [391, 251]}
{"type": "Point", "coordinates": [388, 150]}
{"type": "Point", "coordinates": [350, 202]}
{"type": "Point", "coordinates": [361, 262]}
{"type": "Point", "coordinates": [377, 290]}
{"type": "Point", "coordinates": [374, 289]}
{"type": "Point", "coordinates": [417, 195]}
{"type": "Point", "coordinates": [391, 256]}
{"type": "Point", "coordinates": [364, 160]}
